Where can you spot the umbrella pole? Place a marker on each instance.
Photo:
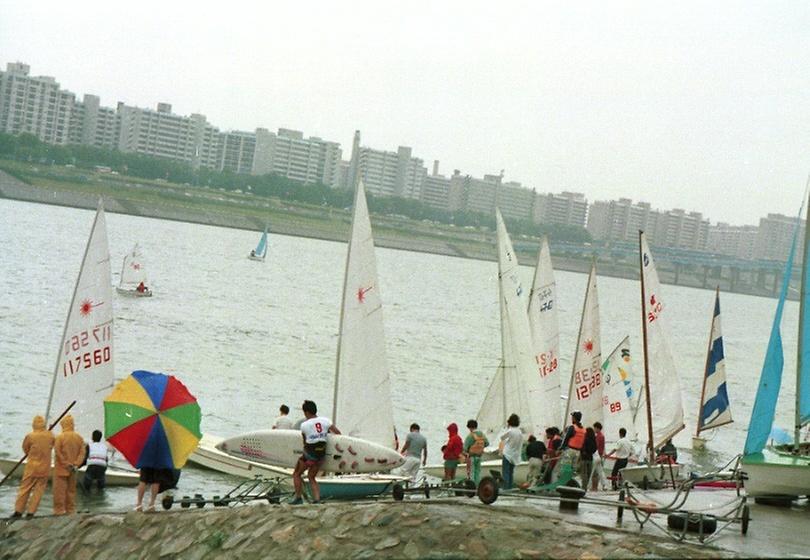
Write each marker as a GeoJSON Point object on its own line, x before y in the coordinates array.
{"type": "Point", "coordinates": [51, 427]}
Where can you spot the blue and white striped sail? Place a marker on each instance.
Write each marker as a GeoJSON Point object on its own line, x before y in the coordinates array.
{"type": "Point", "coordinates": [261, 248]}
{"type": "Point", "coordinates": [770, 380]}
{"type": "Point", "coordinates": [715, 409]}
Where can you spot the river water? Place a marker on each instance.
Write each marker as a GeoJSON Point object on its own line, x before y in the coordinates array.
{"type": "Point", "coordinates": [246, 336]}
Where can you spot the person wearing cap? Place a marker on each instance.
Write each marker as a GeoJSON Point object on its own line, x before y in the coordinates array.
{"type": "Point", "coordinates": [574, 440]}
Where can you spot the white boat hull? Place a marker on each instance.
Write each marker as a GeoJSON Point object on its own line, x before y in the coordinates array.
{"type": "Point", "coordinates": [114, 477]}
{"type": "Point", "coordinates": [344, 486]}
{"type": "Point", "coordinates": [255, 258]}
{"type": "Point", "coordinates": [777, 474]}
{"type": "Point", "coordinates": [133, 293]}
{"type": "Point", "coordinates": [652, 473]}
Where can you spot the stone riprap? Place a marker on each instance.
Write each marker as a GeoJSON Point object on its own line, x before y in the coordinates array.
{"type": "Point", "coordinates": [436, 529]}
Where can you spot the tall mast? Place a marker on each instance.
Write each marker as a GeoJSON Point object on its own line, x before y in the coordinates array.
{"type": "Point", "coordinates": [650, 442]}
{"type": "Point", "coordinates": [343, 304]}
{"type": "Point", "coordinates": [706, 368]}
{"type": "Point", "coordinates": [798, 416]}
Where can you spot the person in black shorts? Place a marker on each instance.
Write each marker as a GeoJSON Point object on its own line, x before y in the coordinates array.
{"type": "Point", "coordinates": [314, 432]}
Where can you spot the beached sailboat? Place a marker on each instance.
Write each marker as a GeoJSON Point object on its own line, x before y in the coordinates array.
{"type": "Point", "coordinates": [362, 394]}
{"type": "Point", "coordinates": [586, 387]}
{"type": "Point", "coordinates": [662, 391]}
{"type": "Point", "coordinates": [133, 281]}
{"type": "Point", "coordinates": [84, 366]}
{"type": "Point", "coordinates": [782, 470]}
{"type": "Point", "coordinates": [619, 393]}
{"type": "Point", "coordinates": [516, 387]}
{"type": "Point", "coordinates": [715, 410]}
{"type": "Point", "coordinates": [545, 331]}
{"type": "Point", "coordinates": [260, 252]}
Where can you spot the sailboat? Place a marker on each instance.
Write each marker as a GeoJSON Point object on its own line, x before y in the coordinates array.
{"type": "Point", "coordinates": [586, 389]}
{"type": "Point", "coordinates": [516, 387]}
{"type": "Point", "coordinates": [260, 252]}
{"type": "Point", "coordinates": [84, 369]}
{"type": "Point", "coordinates": [362, 394]}
{"type": "Point", "coordinates": [133, 275]}
{"type": "Point", "coordinates": [782, 470]}
{"type": "Point", "coordinates": [619, 394]}
{"type": "Point", "coordinates": [662, 391]}
{"type": "Point", "coordinates": [715, 410]}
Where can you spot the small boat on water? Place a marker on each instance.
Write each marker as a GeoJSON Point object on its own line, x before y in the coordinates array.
{"type": "Point", "coordinates": [715, 409]}
{"type": "Point", "coordinates": [662, 390]}
{"type": "Point", "coordinates": [782, 471]}
{"type": "Point", "coordinates": [362, 406]}
{"type": "Point", "coordinates": [84, 369]}
{"type": "Point", "coordinates": [133, 281]}
{"type": "Point", "coordinates": [260, 252]}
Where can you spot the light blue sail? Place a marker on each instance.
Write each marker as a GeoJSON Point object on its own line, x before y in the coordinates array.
{"type": "Point", "coordinates": [803, 378]}
{"type": "Point", "coordinates": [715, 408]}
{"type": "Point", "coordinates": [261, 248]}
{"type": "Point", "coordinates": [770, 380]}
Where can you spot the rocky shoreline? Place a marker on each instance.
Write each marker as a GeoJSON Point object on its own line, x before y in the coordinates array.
{"type": "Point", "coordinates": [453, 528]}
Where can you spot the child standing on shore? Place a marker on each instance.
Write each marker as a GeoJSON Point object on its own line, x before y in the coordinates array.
{"type": "Point", "coordinates": [474, 445]}
{"type": "Point", "coordinates": [451, 451]}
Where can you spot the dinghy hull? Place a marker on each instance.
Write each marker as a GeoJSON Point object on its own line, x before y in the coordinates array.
{"type": "Point", "coordinates": [776, 474]}
{"type": "Point", "coordinates": [115, 477]}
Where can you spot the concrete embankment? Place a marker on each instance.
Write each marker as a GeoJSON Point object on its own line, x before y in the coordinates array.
{"type": "Point", "coordinates": [438, 529]}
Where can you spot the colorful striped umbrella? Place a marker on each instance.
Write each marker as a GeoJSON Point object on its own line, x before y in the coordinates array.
{"type": "Point", "coordinates": [153, 420]}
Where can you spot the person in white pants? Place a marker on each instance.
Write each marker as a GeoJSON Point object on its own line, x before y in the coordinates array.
{"type": "Point", "coordinates": [415, 453]}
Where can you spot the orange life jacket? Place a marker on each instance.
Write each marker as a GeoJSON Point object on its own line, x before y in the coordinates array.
{"type": "Point", "coordinates": [578, 439]}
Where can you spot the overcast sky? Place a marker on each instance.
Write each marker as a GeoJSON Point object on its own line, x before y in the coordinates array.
{"type": "Point", "coordinates": [703, 106]}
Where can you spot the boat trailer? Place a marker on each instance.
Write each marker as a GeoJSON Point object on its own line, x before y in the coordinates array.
{"type": "Point", "coordinates": [259, 488]}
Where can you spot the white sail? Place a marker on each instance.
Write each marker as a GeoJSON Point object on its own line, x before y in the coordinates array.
{"type": "Point", "coordinates": [84, 368]}
{"type": "Point", "coordinates": [617, 410]}
{"type": "Point", "coordinates": [586, 387]}
{"type": "Point", "coordinates": [665, 402]}
{"type": "Point", "coordinates": [518, 385]}
{"type": "Point", "coordinates": [362, 405]}
{"type": "Point", "coordinates": [546, 334]}
{"type": "Point", "coordinates": [133, 271]}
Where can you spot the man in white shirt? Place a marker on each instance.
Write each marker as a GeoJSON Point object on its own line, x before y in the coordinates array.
{"type": "Point", "coordinates": [283, 422]}
{"type": "Point", "coordinates": [622, 452]}
{"type": "Point", "coordinates": [314, 432]}
{"type": "Point", "coordinates": [511, 447]}
{"type": "Point", "coordinates": [96, 463]}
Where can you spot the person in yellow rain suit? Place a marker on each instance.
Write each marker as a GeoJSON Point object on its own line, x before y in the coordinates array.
{"type": "Point", "coordinates": [38, 445]}
{"type": "Point", "coordinates": [69, 451]}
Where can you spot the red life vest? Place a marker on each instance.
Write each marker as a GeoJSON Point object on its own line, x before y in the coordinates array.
{"type": "Point", "coordinates": [578, 439]}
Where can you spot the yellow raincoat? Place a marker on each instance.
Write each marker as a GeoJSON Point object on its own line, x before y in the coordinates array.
{"type": "Point", "coordinates": [69, 451]}
{"type": "Point", "coordinates": [38, 446]}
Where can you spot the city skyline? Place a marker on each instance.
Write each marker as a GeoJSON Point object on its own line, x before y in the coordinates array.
{"type": "Point", "coordinates": [639, 148]}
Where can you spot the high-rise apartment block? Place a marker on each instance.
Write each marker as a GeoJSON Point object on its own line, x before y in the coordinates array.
{"type": "Point", "coordinates": [386, 173]}
{"type": "Point", "coordinates": [568, 208]}
{"type": "Point", "coordinates": [289, 154]}
{"type": "Point", "coordinates": [34, 105]}
{"type": "Point", "coordinates": [775, 237]}
{"type": "Point", "coordinates": [732, 241]}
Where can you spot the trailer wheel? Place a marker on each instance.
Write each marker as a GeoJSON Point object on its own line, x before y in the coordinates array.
{"type": "Point", "coordinates": [398, 492]}
{"type": "Point", "coordinates": [745, 517]}
{"type": "Point", "coordinates": [487, 490]}
{"type": "Point", "coordinates": [167, 501]}
{"type": "Point", "coordinates": [470, 485]}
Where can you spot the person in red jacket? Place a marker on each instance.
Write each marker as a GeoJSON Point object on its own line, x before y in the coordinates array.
{"type": "Point", "coordinates": [451, 451]}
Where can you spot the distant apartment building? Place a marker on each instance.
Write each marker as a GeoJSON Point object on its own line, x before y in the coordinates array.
{"type": "Point", "coordinates": [568, 208]}
{"type": "Point", "coordinates": [94, 125]}
{"type": "Point", "coordinates": [482, 196]}
{"type": "Point", "coordinates": [621, 220]}
{"type": "Point", "coordinates": [236, 151]}
{"type": "Point", "coordinates": [386, 173]}
{"type": "Point", "coordinates": [289, 154]}
{"type": "Point", "coordinates": [161, 133]}
{"type": "Point", "coordinates": [34, 105]}
{"type": "Point", "coordinates": [732, 241]}
{"type": "Point", "coordinates": [775, 236]}
{"type": "Point", "coordinates": [436, 190]}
